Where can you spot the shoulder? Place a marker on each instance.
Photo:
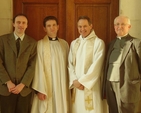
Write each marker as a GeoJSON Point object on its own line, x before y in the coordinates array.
{"type": "Point", "coordinates": [99, 42]}
{"type": "Point", "coordinates": [136, 41]}
{"type": "Point", "coordinates": [41, 42]}
{"type": "Point", "coordinates": [63, 42]}
{"type": "Point", "coordinates": [5, 36]}
{"type": "Point", "coordinates": [30, 38]}
{"type": "Point", "coordinates": [74, 41]}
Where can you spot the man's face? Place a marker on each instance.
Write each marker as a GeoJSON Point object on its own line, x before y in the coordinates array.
{"type": "Point", "coordinates": [51, 28]}
{"type": "Point", "coordinates": [84, 28]}
{"type": "Point", "coordinates": [121, 26]}
{"type": "Point", "coordinates": [20, 25]}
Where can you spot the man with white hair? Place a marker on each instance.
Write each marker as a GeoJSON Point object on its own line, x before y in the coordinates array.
{"type": "Point", "coordinates": [123, 69]}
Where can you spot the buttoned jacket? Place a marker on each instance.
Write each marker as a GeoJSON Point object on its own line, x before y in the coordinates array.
{"type": "Point", "coordinates": [17, 68]}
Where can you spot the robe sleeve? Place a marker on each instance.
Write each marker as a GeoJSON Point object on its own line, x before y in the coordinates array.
{"type": "Point", "coordinates": [4, 77]}
{"type": "Point", "coordinates": [95, 70]}
{"type": "Point", "coordinates": [39, 81]}
{"type": "Point", "coordinates": [72, 75]}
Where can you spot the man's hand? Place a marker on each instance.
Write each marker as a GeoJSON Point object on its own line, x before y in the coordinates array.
{"type": "Point", "coordinates": [81, 87]}
{"type": "Point", "coordinates": [10, 85]}
{"type": "Point", "coordinates": [41, 96]}
{"type": "Point", "coordinates": [18, 88]}
{"type": "Point", "coordinates": [78, 85]}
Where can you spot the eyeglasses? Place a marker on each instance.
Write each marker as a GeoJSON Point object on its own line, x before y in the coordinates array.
{"type": "Point", "coordinates": [122, 25]}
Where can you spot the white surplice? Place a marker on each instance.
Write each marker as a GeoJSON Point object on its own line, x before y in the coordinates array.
{"type": "Point", "coordinates": [86, 60]}
{"type": "Point", "coordinates": [51, 77]}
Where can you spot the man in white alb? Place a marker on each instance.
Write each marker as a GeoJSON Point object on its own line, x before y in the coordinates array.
{"type": "Point", "coordinates": [51, 76]}
{"type": "Point", "coordinates": [86, 58]}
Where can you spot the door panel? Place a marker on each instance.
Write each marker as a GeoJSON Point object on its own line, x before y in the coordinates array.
{"type": "Point", "coordinates": [36, 11]}
{"type": "Point", "coordinates": [101, 12]}
{"type": "Point", "coordinates": [99, 16]}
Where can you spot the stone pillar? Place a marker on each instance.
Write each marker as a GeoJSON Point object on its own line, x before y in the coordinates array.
{"type": "Point", "coordinates": [131, 8]}
{"type": "Point", "coordinates": [6, 15]}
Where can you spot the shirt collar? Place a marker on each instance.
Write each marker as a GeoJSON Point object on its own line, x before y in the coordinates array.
{"type": "Point", "coordinates": [21, 37]}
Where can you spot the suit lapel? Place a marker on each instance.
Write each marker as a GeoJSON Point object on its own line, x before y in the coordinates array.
{"type": "Point", "coordinates": [110, 50]}
{"type": "Point", "coordinates": [12, 43]}
{"type": "Point", "coordinates": [126, 48]}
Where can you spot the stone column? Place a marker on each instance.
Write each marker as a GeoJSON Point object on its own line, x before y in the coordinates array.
{"type": "Point", "coordinates": [6, 16]}
{"type": "Point", "coordinates": [131, 8]}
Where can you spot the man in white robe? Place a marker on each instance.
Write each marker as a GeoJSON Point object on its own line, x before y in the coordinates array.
{"type": "Point", "coordinates": [51, 75]}
{"type": "Point", "coordinates": [86, 59]}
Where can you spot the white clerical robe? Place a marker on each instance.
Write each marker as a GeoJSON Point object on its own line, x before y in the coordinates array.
{"type": "Point", "coordinates": [51, 77]}
{"type": "Point", "coordinates": [86, 60]}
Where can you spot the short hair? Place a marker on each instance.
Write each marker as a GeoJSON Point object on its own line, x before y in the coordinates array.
{"type": "Point", "coordinates": [128, 20]}
{"type": "Point", "coordinates": [20, 14]}
{"type": "Point", "coordinates": [86, 18]}
{"type": "Point", "coordinates": [47, 18]}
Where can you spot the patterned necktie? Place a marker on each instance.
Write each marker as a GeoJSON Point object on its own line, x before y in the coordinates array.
{"type": "Point", "coordinates": [18, 45]}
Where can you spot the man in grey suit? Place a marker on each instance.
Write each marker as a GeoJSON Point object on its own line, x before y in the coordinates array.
{"type": "Point", "coordinates": [16, 68]}
{"type": "Point", "coordinates": [123, 70]}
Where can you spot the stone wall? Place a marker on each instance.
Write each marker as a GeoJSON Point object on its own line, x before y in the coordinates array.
{"type": "Point", "coordinates": [6, 15]}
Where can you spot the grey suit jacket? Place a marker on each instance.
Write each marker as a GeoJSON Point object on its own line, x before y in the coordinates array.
{"type": "Point", "coordinates": [130, 70]}
{"type": "Point", "coordinates": [17, 69]}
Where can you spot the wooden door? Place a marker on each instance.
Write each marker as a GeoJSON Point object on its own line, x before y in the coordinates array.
{"type": "Point", "coordinates": [101, 12]}
{"type": "Point", "coordinates": [37, 10]}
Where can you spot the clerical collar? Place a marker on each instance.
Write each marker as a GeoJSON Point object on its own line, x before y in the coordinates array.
{"type": "Point", "coordinates": [121, 37]}
{"type": "Point", "coordinates": [53, 39]}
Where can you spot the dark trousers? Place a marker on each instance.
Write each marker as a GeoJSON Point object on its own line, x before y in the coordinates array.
{"type": "Point", "coordinates": [15, 103]}
{"type": "Point", "coordinates": [111, 98]}
{"type": "Point", "coordinates": [114, 100]}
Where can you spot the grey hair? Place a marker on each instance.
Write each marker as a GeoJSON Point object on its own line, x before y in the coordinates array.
{"type": "Point", "coordinates": [128, 20]}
